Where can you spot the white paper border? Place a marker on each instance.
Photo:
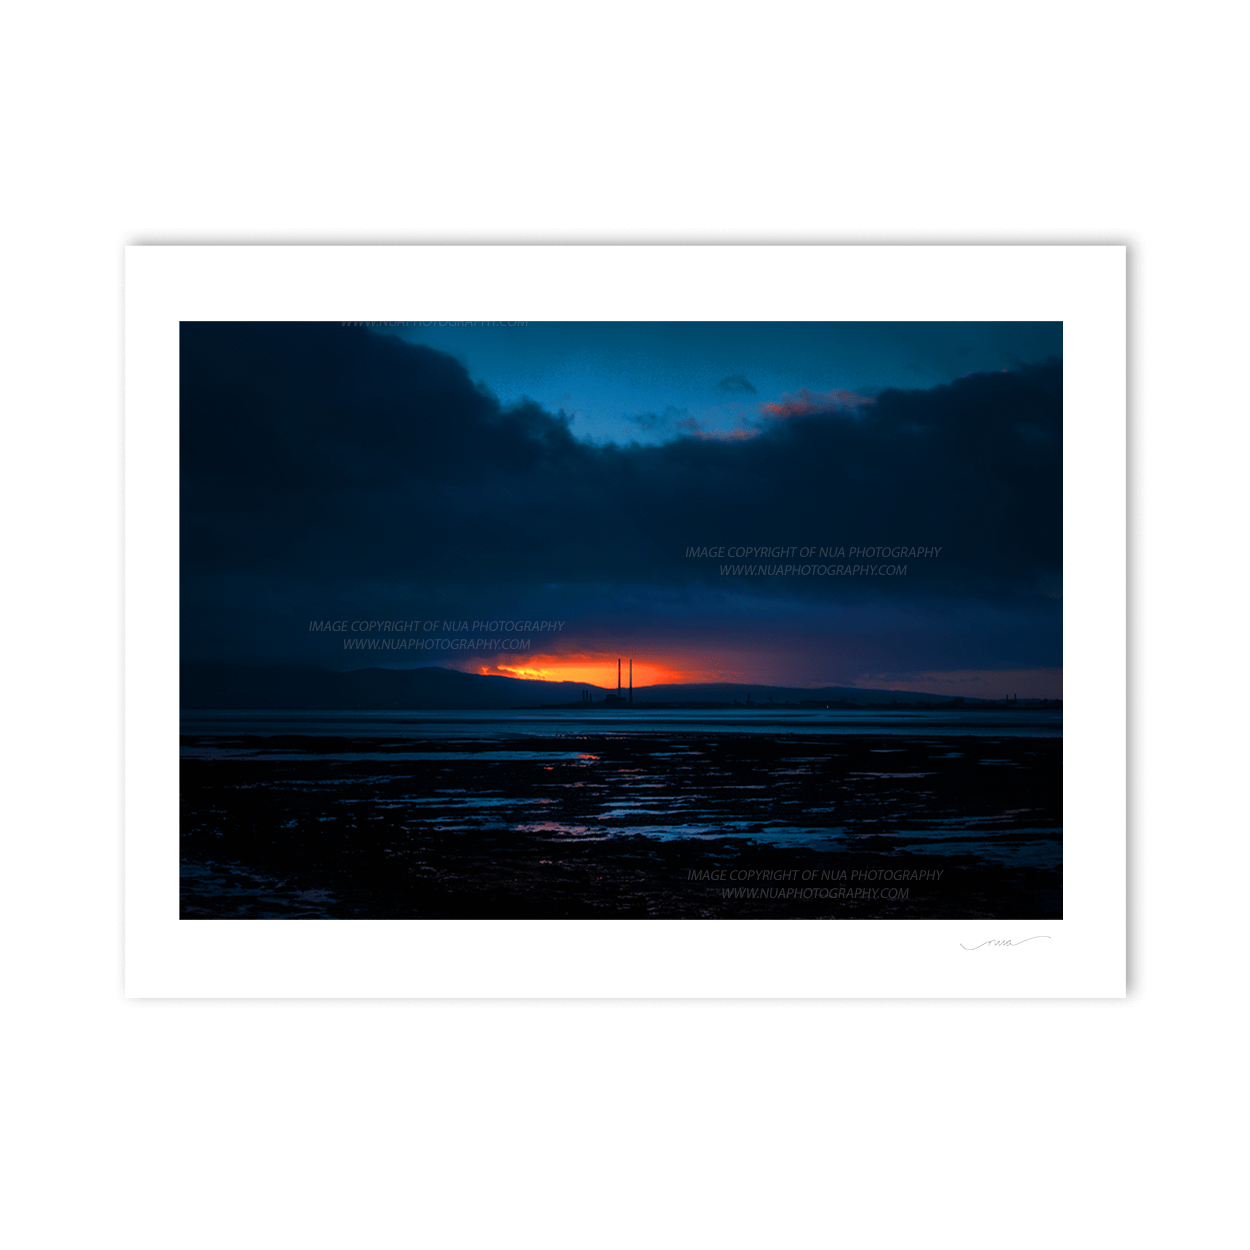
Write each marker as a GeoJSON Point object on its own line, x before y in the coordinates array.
{"type": "Point", "coordinates": [1083, 955]}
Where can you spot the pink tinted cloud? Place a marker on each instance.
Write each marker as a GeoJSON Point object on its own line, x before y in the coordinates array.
{"type": "Point", "coordinates": [696, 429]}
{"type": "Point", "coordinates": [805, 403]}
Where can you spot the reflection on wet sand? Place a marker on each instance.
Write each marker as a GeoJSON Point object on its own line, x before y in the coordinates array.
{"type": "Point", "coordinates": [621, 824]}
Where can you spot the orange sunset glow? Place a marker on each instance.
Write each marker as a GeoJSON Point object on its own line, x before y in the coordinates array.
{"type": "Point", "coordinates": [594, 669]}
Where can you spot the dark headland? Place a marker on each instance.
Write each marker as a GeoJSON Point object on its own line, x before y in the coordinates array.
{"type": "Point", "coordinates": [207, 686]}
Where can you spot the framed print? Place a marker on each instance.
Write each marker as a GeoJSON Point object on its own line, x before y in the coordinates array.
{"type": "Point", "coordinates": [625, 621]}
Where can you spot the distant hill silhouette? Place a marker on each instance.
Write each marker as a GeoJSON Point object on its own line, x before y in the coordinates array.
{"type": "Point", "coordinates": [290, 686]}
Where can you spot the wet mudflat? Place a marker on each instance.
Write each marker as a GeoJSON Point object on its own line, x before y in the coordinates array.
{"type": "Point", "coordinates": [604, 825]}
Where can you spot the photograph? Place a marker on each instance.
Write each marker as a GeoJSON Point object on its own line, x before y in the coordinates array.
{"type": "Point", "coordinates": [607, 623]}
{"type": "Point", "coordinates": [539, 620]}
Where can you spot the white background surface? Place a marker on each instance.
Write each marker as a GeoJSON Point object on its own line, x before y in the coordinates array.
{"type": "Point", "coordinates": [1081, 956]}
{"type": "Point", "coordinates": [393, 1124]}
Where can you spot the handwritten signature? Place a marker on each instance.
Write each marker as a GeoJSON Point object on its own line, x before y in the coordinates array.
{"type": "Point", "coordinates": [1005, 942]}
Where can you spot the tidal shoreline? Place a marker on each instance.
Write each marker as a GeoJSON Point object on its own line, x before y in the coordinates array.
{"type": "Point", "coordinates": [627, 825]}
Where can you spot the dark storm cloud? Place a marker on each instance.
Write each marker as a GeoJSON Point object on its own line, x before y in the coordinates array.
{"type": "Point", "coordinates": [332, 455]}
{"type": "Point", "coordinates": [735, 385]}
